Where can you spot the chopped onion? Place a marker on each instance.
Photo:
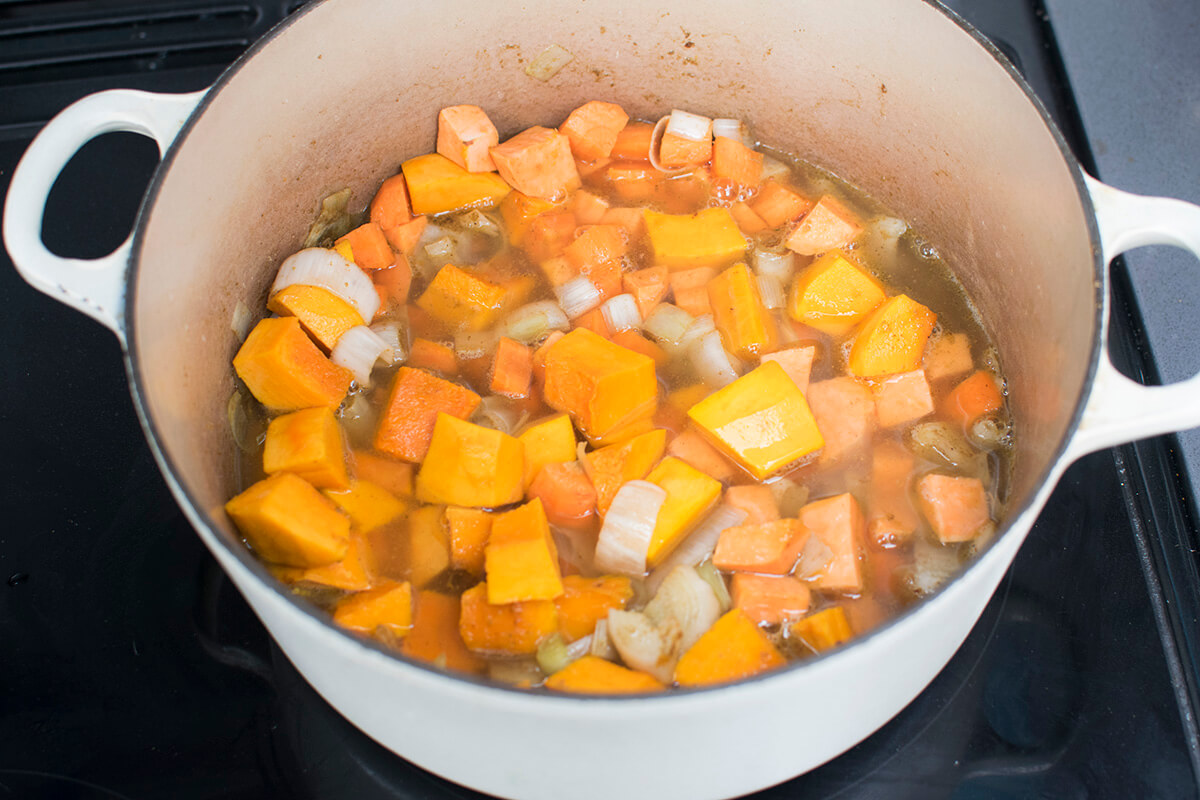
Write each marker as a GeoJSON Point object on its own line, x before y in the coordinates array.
{"type": "Point", "coordinates": [701, 326]}
{"type": "Point", "coordinates": [621, 312]}
{"type": "Point", "coordinates": [699, 544]}
{"type": "Point", "coordinates": [712, 363]}
{"type": "Point", "coordinates": [789, 496]}
{"type": "Point", "coordinates": [944, 444]}
{"type": "Point", "coordinates": [668, 323]}
{"type": "Point", "coordinates": [358, 417]}
{"type": "Point", "coordinates": [689, 126]}
{"type": "Point", "coordinates": [814, 558]}
{"type": "Point", "coordinates": [521, 671]}
{"type": "Point", "coordinates": [732, 129]}
{"type": "Point", "coordinates": [688, 600]}
{"type": "Point", "coordinates": [624, 538]}
{"type": "Point", "coordinates": [577, 296]}
{"type": "Point", "coordinates": [890, 227]}
{"type": "Point", "coordinates": [317, 266]}
{"type": "Point", "coordinates": [713, 578]}
{"type": "Point", "coordinates": [933, 565]}
{"type": "Point", "coordinates": [600, 646]}
{"type": "Point", "coordinates": [499, 414]}
{"type": "Point", "coordinates": [241, 321]}
{"type": "Point", "coordinates": [390, 331]}
{"type": "Point", "coordinates": [644, 645]}
{"type": "Point", "coordinates": [549, 62]}
{"type": "Point", "coordinates": [476, 220]}
{"type": "Point", "coordinates": [779, 266]}
{"type": "Point", "coordinates": [473, 344]}
{"type": "Point", "coordinates": [771, 292]}
{"type": "Point", "coordinates": [357, 350]}
{"type": "Point", "coordinates": [774, 168]}
{"type": "Point", "coordinates": [529, 323]}
{"type": "Point", "coordinates": [440, 251]}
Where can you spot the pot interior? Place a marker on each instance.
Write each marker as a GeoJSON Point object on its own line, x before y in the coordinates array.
{"type": "Point", "coordinates": [895, 98]}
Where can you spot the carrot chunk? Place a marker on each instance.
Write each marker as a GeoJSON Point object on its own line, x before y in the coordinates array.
{"type": "Point", "coordinates": [465, 135]}
{"type": "Point", "coordinates": [708, 238]}
{"type": "Point", "coordinates": [586, 601]}
{"type": "Point", "coordinates": [323, 315]}
{"type": "Point", "coordinates": [389, 606]}
{"type": "Point", "coordinates": [414, 402]}
{"type": "Point", "coordinates": [593, 128]}
{"type": "Point", "coordinates": [285, 371]}
{"type": "Point", "coordinates": [611, 467]}
{"type": "Point", "coordinates": [768, 547]}
{"type": "Point", "coordinates": [537, 162]}
{"type": "Point", "coordinates": [633, 142]}
{"type": "Point", "coordinates": [289, 522]}
{"type": "Point", "coordinates": [775, 204]}
{"type": "Point", "coordinates": [733, 161]}
{"type": "Point", "coordinates": [971, 399]}
{"type": "Point", "coordinates": [369, 246]}
{"type": "Point", "coordinates": [513, 629]}
{"type": "Point", "coordinates": [824, 630]}
{"type": "Point", "coordinates": [732, 649]}
{"type": "Point", "coordinates": [796, 362]}
{"type": "Point", "coordinates": [436, 185]}
{"type": "Point", "coordinates": [838, 522]}
{"type": "Point", "coordinates": [434, 637]}
{"type": "Point", "coordinates": [566, 493]}
{"type": "Point", "coordinates": [433, 356]}
{"type": "Point", "coordinates": [468, 529]}
{"type": "Point", "coordinates": [594, 675]}
{"type": "Point", "coordinates": [769, 599]}
{"type": "Point", "coordinates": [648, 287]}
{"type": "Point", "coordinates": [891, 517]}
{"type": "Point", "coordinates": [512, 369]}
{"type": "Point", "coordinates": [956, 507]}
{"type": "Point", "coordinates": [471, 466]}
{"type": "Point", "coordinates": [901, 399]}
{"type": "Point", "coordinates": [747, 327]}
{"type": "Point", "coordinates": [827, 226]}
{"type": "Point", "coordinates": [308, 443]}
{"type": "Point", "coordinates": [833, 294]}
{"type": "Point", "coordinates": [391, 207]}
{"type": "Point", "coordinates": [757, 501]}
{"type": "Point", "coordinates": [892, 339]}
{"type": "Point", "coordinates": [521, 559]}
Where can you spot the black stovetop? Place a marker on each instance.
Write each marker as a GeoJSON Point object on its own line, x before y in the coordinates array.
{"type": "Point", "coordinates": [133, 669]}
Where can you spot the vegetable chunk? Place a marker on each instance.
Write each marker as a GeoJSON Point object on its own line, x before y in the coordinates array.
{"type": "Point", "coordinates": [732, 649]}
{"type": "Point", "coordinates": [690, 495]}
{"type": "Point", "coordinates": [414, 402]}
{"type": "Point", "coordinates": [308, 443]}
{"type": "Point", "coordinates": [586, 601]}
{"type": "Point", "coordinates": [708, 238]}
{"type": "Point", "coordinates": [462, 299]}
{"type": "Point", "coordinates": [956, 507]}
{"type": "Point", "coordinates": [770, 599]}
{"type": "Point", "coordinates": [434, 637]}
{"type": "Point", "coordinates": [827, 226]}
{"type": "Point", "coordinates": [285, 371]}
{"type": "Point", "coordinates": [823, 630]}
{"type": "Point", "coordinates": [746, 327]}
{"type": "Point", "coordinates": [322, 314]}
{"type": "Point", "coordinates": [465, 135]}
{"type": "Point", "coordinates": [834, 294]}
{"type": "Point", "coordinates": [389, 606]}
{"type": "Point", "coordinates": [838, 522]}
{"type": "Point", "coordinates": [593, 128]}
{"type": "Point", "coordinates": [594, 675]}
{"type": "Point", "coordinates": [538, 162]}
{"type": "Point", "coordinates": [845, 412]}
{"type": "Point", "coordinates": [892, 339]}
{"type": "Point", "coordinates": [548, 441]}
{"type": "Point", "coordinates": [901, 399]}
{"type": "Point", "coordinates": [614, 465]}
{"type": "Point", "coordinates": [512, 629]}
{"type": "Point", "coordinates": [471, 466]}
{"type": "Point", "coordinates": [768, 547]}
{"type": "Point", "coordinates": [469, 529]}
{"type": "Point", "coordinates": [437, 185]}
{"type": "Point", "coordinates": [288, 522]}
{"type": "Point", "coordinates": [521, 559]}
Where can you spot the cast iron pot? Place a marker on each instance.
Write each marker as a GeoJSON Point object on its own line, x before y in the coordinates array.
{"type": "Point", "coordinates": [899, 98]}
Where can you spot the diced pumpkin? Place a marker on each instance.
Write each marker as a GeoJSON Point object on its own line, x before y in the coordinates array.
{"type": "Point", "coordinates": [352, 573]}
{"type": "Point", "coordinates": [548, 441]}
{"type": "Point", "coordinates": [465, 135]}
{"type": "Point", "coordinates": [824, 630]}
{"type": "Point", "coordinates": [426, 545]}
{"type": "Point", "coordinates": [389, 605]}
{"type": "Point", "coordinates": [462, 299]}
{"type": "Point", "coordinates": [769, 599]}
{"type": "Point", "coordinates": [518, 212]}
{"type": "Point", "coordinates": [289, 522]}
{"type": "Point", "coordinates": [471, 466]}
{"type": "Point", "coordinates": [892, 339]}
{"type": "Point", "coordinates": [566, 493]}
{"type": "Point", "coordinates": [732, 649]}
{"type": "Point", "coordinates": [415, 400]}
{"type": "Point", "coordinates": [586, 601]}
{"type": "Point", "coordinates": [285, 371]}
{"type": "Point", "coordinates": [513, 629]}
{"type": "Point", "coordinates": [956, 507]}
{"type": "Point", "coordinates": [761, 421]}
{"type": "Point", "coordinates": [521, 558]}
{"type": "Point", "coordinates": [747, 327]}
{"type": "Point", "coordinates": [631, 339]}
{"type": "Point", "coordinates": [708, 238]}
{"type": "Point", "coordinates": [537, 162]}
{"type": "Point", "coordinates": [468, 529]}
{"type": "Point", "coordinates": [611, 467]}
{"type": "Point", "coordinates": [434, 637]}
{"type": "Point", "coordinates": [436, 185]}
{"type": "Point", "coordinates": [308, 443]}
{"type": "Point", "coordinates": [690, 495]}
{"type": "Point", "coordinates": [322, 314]}
{"type": "Point", "coordinates": [838, 522]}
{"type": "Point", "coordinates": [369, 506]}
{"type": "Point", "coordinates": [394, 476]}
{"type": "Point", "coordinates": [828, 225]}
{"type": "Point", "coordinates": [770, 548]}
{"type": "Point", "coordinates": [594, 675]}
{"type": "Point", "coordinates": [833, 294]}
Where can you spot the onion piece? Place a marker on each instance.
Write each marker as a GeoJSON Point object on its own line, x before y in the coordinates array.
{"type": "Point", "coordinates": [770, 291]}
{"type": "Point", "coordinates": [732, 129]}
{"type": "Point", "coordinates": [814, 558]}
{"type": "Point", "coordinates": [552, 654]}
{"type": "Point", "coordinates": [600, 646]}
{"type": "Point", "coordinates": [642, 644]}
{"type": "Point", "coordinates": [621, 312]}
{"type": "Point", "coordinates": [780, 266]}
{"type": "Point", "coordinates": [668, 323]}
{"type": "Point", "coordinates": [691, 126]}
{"type": "Point", "coordinates": [577, 296]}
{"type": "Point", "coordinates": [358, 417]}
{"type": "Point", "coordinates": [699, 544]}
{"type": "Point", "coordinates": [529, 323]}
{"type": "Point", "coordinates": [712, 576]}
{"type": "Point", "coordinates": [440, 251]}
{"type": "Point", "coordinates": [389, 330]}
{"type": "Point", "coordinates": [499, 414]}
{"type": "Point", "coordinates": [688, 600]}
{"type": "Point", "coordinates": [247, 422]}
{"type": "Point", "coordinates": [241, 321]}
{"type": "Point", "coordinates": [624, 538]}
{"type": "Point", "coordinates": [549, 62]}
{"type": "Point", "coordinates": [473, 344]}
{"type": "Point", "coordinates": [357, 350]}
{"type": "Point", "coordinates": [789, 496]}
{"type": "Point", "coordinates": [713, 365]}
{"type": "Point", "coordinates": [933, 565]}
{"type": "Point", "coordinates": [700, 327]}
{"type": "Point", "coordinates": [316, 266]}
{"type": "Point", "coordinates": [523, 671]}
{"type": "Point", "coordinates": [479, 222]}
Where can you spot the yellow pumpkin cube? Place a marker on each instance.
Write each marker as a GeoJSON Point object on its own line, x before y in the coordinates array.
{"type": "Point", "coordinates": [611, 467]}
{"type": "Point", "coordinates": [285, 371]}
{"type": "Point", "coordinates": [426, 545]}
{"type": "Point", "coordinates": [762, 421]}
{"type": "Point", "coordinates": [823, 630]}
{"type": "Point", "coordinates": [549, 441]}
{"type": "Point", "coordinates": [289, 522]}
{"type": "Point", "coordinates": [690, 494]}
{"type": "Point", "coordinates": [732, 649]}
{"type": "Point", "coordinates": [469, 529]}
{"type": "Point", "coordinates": [521, 559]}
{"type": "Point", "coordinates": [389, 605]}
{"type": "Point", "coordinates": [351, 574]}
{"type": "Point", "coordinates": [368, 505]}
{"type": "Point", "coordinates": [308, 443]}
{"type": "Point", "coordinates": [462, 299]}
{"type": "Point", "coordinates": [471, 466]}
{"type": "Point", "coordinates": [594, 675]}
{"type": "Point", "coordinates": [892, 339]}
{"type": "Point", "coordinates": [747, 327]}
{"type": "Point", "coordinates": [323, 314]}
{"type": "Point", "coordinates": [708, 238]}
{"type": "Point", "coordinates": [512, 629]}
{"type": "Point", "coordinates": [833, 294]}
{"type": "Point", "coordinates": [437, 185]}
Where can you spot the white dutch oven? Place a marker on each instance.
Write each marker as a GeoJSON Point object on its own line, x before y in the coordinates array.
{"type": "Point", "coordinates": [896, 97]}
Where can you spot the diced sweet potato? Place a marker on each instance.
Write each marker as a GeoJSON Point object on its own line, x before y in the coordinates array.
{"type": "Point", "coordinates": [566, 493]}
{"type": "Point", "coordinates": [586, 601]}
{"type": "Point", "coordinates": [588, 208]}
{"type": "Point", "coordinates": [596, 252]}
{"type": "Point", "coordinates": [537, 162]}
{"type": "Point", "coordinates": [468, 529]}
{"type": "Point", "coordinates": [838, 522]}
{"type": "Point", "coordinates": [776, 205]}
{"type": "Point", "coordinates": [285, 371]}
{"type": "Point", "coordinates": [392, 283]}
{"type": "Point", "coordinates": [436, 185]}
{"type": "Point", "coordinates": [747, 220]}
{"type": "Point", "coordinates": [796, 362]}
{"type": "Point", "coordinates": [632, 182]}
{"type": "Point", "coordinates": [633, 142]}
{"type": "Point", "coordinates": [513, 629]}
{"type": "Point", "coordinates": [694, 300]}
{"type": "Point", "coordinates": [465, 135]}
{"type": "Point", "coordinates": [708, 238]}
{"type": "Point", "coordinates": [308, 443]}
{"type": "Point", "coordinates": [769, 599]}
{"type": "Point", "coordinates": [611, 467]}
{"type": "Point", "coordinates": [690, 495]}
{"type": "Point", "coordinates": [322, 314]}
{"type": "Point", "coordinates": [747, 327]}
{"type": "Point", "coordinates": [733, 161]}
{"type": "Point", "coordinates": [947, 356]}
{"type": "Point", "coordinates": [903, 398]}
{"type": "Point", "coordinates": [391, 206]}
{"type": "Point", "coordinates": [693, 448]}
{"type": "Point", "coordinates": [845, 412]}
{"type": "Point", "coordinates": [404, 237]}
{"type": "Point", "coordinates": [548, 235]}
{"type": "Point", "coordinates": [891, 339]}
{"type": "Point", "coordinates": [824, 630]}
{"type": "Point", "coordinates": [956, 507]}
{"type": "Point", "coordinates": [389, 605]}
{"type": "Point", "coordinates": [369, 506]}
{"type": "Point", "coordinates": [369, 246]}
{"type": "Point", "coordinates": [628, 219]}
{"type": "Point", "coordinates": [463, 299]}
{"type": "Point", "coordinates": [891, 517]}
{"type": "Point", "coordinates": [770, 548]}
{"type": "Point", "coordinates": [676, 151]}
{"type": "Point", "coordinates": [648, 287]}
{"type": "Point", "coordinates": [972, 398]}
{"type": "Point", "coordinates": [833, 294]}
{"type": "Point", "coordinates": [827, 226]}
{"type": "Point", "coordinates": [434, 637]}
{"type": "Point", "coordinates": [414, 402]}
{"type": "Point", "coordinates": [756, 500]}
{"type": "Point", "coordinates": [518, 212]}
{"type": "Point", "coordinates": [732, 649]}
{"type": "Point", "coordinates": [594, 675]}
{"type": "Point", "coordinates": [471, 466]}
{"type": "Point", "coordinates": [593, 128]}
{"type": "Point", "coordinates": [288, 522]}
{"type": "Point", "coordinates": [425, 545]}
{"type": "Point", "coordinates": [521, 558]}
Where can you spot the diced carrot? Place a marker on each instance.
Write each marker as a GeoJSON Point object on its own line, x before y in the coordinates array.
{"type": "Point", "coordinates": [403, 238]}
{"type": "Point", "coordinates": [648, 287]}
{"type": "Point", "coordinates": [838, 522]}
{"type": "Point", "coordinates": [796, 362]}
{"type": "Point", "coordinates": [512, 369]}
{"type": "Point", "coordinates": [391, 207]}
{"type": "Point", "coordinates": [308, 443]}
{"type": "Point", "coordinates": [833, 294]}
{"type": "Point", "coordinates": [388, 605]}
{"type": "Point", "coordinates": [593, 675]}
{"type": "Point", "coordinates": [586, 601]}
{"type": "Point", "coordinates": [747, 328]}
{"type": "Point", "coordinates": [891, 517]}
{"type": "Point", "coordinates": [471, 466]}
{"type": "Point", "coordinates": [756, 500]}
{"type": "Point", "coordinates": [632, 340]}
{"type": "Point", "coordinates": [593, 129]}
{"type": "Point", "coordinates": [947, 356]}
{"type": "Point", "coordinates": [593, 321]}
{"type": "Point", "coordinates": [565, 492]}
{"type": "Point", "coordinates": [588, 208]}
{"type": "Point", "coordinates": [971, 399]}
{"type": "Point", "coordinates": [777, 205]}
{"type": "Point", "coordinates": [537, 162]}
{"type": "Point", "coordinates": [285, 371]}
{"type": "Point", "coordinates": [746, 218]}
{"type": "Point", "coordinates": [468, 529]}
{"type": "Point", "coordinates": [611, 467]}
{"type": "Point", "coordinates": [824, 630]}
{"type": "Point", "coordinates": [434, 356]}
{"type": "Point", "coordinates": [465, 135]}
{"type": "Point", "coordinates": [547, 441]}
{"type": "Point", "coordinates": [513, 629]}
{"type": "Point", "coordinates": [732, 649]}
{"type": "Point", "coordinates": [693, 448]}
{"type": "Point", "coordinates": [769, 547]}
{"type": "Point", "coordinates": [549, 234]}
{"type": "Point", "coordinates": [521, 559]}
{"type": "Point", "coordinates": [633, 182]}
{"type": "Point", "coordinates": [393, 283]}
{"type": "Point", "coordinates": [436, 185]}
{"type": "Point", "coordinates": [414, 402]}
{"type": "Point", "coordinates": [845, 412]}
{"type": "Point", "coordinates": [425, 545]}
{"type": "Point", "coordinates": [891, 339]}
{"type": "Point", "coordinates": [733, 161]}
{"type": "Point", "coordinates": [827, 226]}
{"type": "Point", "coordinates": [679, 151]}
{"type": "Point", "coordinates": [628, 219]}
{"type": "Point", "coordinates": [434, 637]}
{"type": "Point", "coordinates": [351, 574]}
{"type": "Point", "coordinates": [901, 399]}
{"type": "Point", "coordinates": [633, 142]}
{"type": "Point", "coordinates": [956, 507]}
{"type": "Point", "coordinates": [369, 506]}
{"type": "Point", "coordinates": [769, 599]}
{"type": "Point", "coordinates": [289, 522]}
{"type": "Point", "coordinates": [323, 315]}
{"type": "Point", "coordinates": [462, 299]}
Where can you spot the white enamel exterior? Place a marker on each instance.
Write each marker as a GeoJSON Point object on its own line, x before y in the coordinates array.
{"type": "Point", "coordinates": [967, 157]}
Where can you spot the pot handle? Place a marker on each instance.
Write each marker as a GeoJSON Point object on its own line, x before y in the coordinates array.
{"type": "Point", "coordinates": [1119, 409]}
{"type": "Point", "coordinates": [94, 286]}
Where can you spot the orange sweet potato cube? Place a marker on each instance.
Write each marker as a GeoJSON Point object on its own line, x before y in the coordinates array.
{"type": "Point", "coordinates": [593, 128]}
{"type": "Point", "coordinates": [770, 548]}
{"type": "Point", "coordinates": [972, 398]}
{"type": "Point", "coordinates": [469, 529]}
{"type": "Point", "coordinates": [433, 356]}
{"type": "Point", "coordinates": [769, 599]}
{"type": "Point", "coordinates": [388, 605]}
{"type": "Point", "coordinates": [322, 314]}
{"type": "Point", "coordinates": [679, 151]}
{"type": "Point", "coordinates": [512, 369]}
{"type": "Point", "coordinates": [891, 339]}
{"type": "Point", "coordinates": [425, 545]}
{"type": "Point", "coordinates": [845, 412]}
{"type": "Point", "coordinates": [891, 517]}
{"type": "Point", "coordinates": [414, 402]}
{"type": "Point", "coordinates": [586, 601]}
{"type": "Point", "coordinates": [369, 246]}
{"type": "Point", "coordinates": [732, 649]}
{"type": "Point", "coordinates": [404, 237]}
{"type": "Point", "coordinates": [603, 386]}
{"type": "Point", "coordinates": [521, 558]}
{"type": "Point", "coordinates": [796, 362]}
{"type": "Point", "coordinates": [756, 500]}
{"type": "Point", "coordinates": [288, 522]}
{"type": "Point", "coordinates": [391, 206]}
{"type": "Point", "coordinates": [947, 356]}
{"type": "Point", "coordinates": [353, 573]}
{"type": "Point", "coordinates": [512, 629]}
{"type": "Point", "coordinates": [693, 448]}
{"type": "Point", "coordinates": [838, 522]}
{"type": "Point", "coordinates": [956, 507]}
{"type": "Point", "coordinates": [518, 212]}
{"type": "Point", "coordinates": [633, 142]}
{"type": "Point", "coordinates": [285, 371]}
{"type": "Point", "coordinates": [538, 162]}
{"type": "Point", "coordinates": [471, 466]}
{"type": "Point", "coordinates": [827, 226]}
{"type": "Point", "coordinates": [368, 506]}
{"type": "Point", "coordinates": [775, 204]}
{"type": "Point", "coordinates": [434, 637]}
{"type": "Point", "coordinates": [648, 287]}
{"type": "Point", "coordinates": [308, 443]}
{"type": "Point", "coordinates": [903, 398]}
{"type": "Point", "coordinates": [735, 162]}
{"type": "Point", "coordinates": [465, 135]}
{"type": "Point", "coordinates": [594, 675]}
{"type": "Point", "coordinates": [747, 220]}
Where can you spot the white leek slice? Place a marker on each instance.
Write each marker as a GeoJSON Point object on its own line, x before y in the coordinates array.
{"type": "Point", "coordinates": [621, 312]}
{"type": "Point", "coordinates": [498, 413]}
{"type": "Point", "coordinates": [687, 599]}
{"type": "Point", "coordinates": [714, 366]}
{"type": "Point", "coordinates": [701, 326]}
{"type": "Point", "coordinates": [624, 538]}
{"type": "Point", "coordinates": [393, 334]}
{"type": "Point", "coordinates": [771, 292]}
{"type": "Point", "coordinates": [668, 323]}
{"type": "Point", "coordinates": [357, 350]}
{"type": "Point", "coordinates": [691, 126]}
{"type": "Point", "coordinates": [643, 645]}
{"type": "Point", "coordinates": [529, 323]}
{"type": "Point", "coordinates": [732, 129]}
{"type": "Point", "coordinates": [317, 266]}
{"type": "Point", "coordinates": [698, 545]}
{"type": "Point", "coordinates": [476, 220]}
{"type": "Point", "coordinates": [933, 565]}
{"type": "Point", "coordinates": [601, 647]}
{"type": "Point", "coordinates": [779, 266]}
{"type": "Point", "coordinates": [577, 296]}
